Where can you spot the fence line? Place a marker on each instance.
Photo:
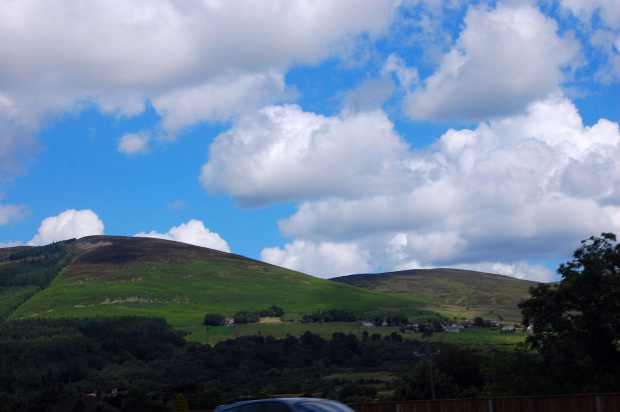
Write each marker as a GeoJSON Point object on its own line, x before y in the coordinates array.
{"type": "Point", "coordinates": [562, 403]}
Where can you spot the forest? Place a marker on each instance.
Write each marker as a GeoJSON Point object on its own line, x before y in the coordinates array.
{"type": "Point", "coordinates": [42, 359]}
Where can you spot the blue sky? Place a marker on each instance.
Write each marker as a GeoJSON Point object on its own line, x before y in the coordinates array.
{"type": "Point", "coordinates": [328, 137]}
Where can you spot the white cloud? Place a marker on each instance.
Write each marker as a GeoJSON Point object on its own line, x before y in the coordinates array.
{"type": "Point", "coordinates": [16, 140]}
{"type": "Point", "coordinates": [194, 233]}
{"type": "Point", "coordinates": [407, 76]}
{"type": "Point", "coordinates": [131, 143]}
{"type": "Point", "coordinates": [601, 23]}
{"type": "Point", "coordinates": [607, 10]}
{"type": "Point", "coordinates": [323, 260]}
{"type": "Point", "coordinates": [196, 61]}
{"type": "Point", "coordinates": [10, 244]}
{"type": "Point", "coordinates": [219, 99]}
{"type": "Point", "coordinates": [521, 187]}
{"type": "Point", "coordinates": [520, 270]}
{"type": "Point", "coordinates": [369, 95]}
{"type": "Point", "coordinates": [283, 153]}
{"type": "Point", "coordinates": [504, 59]}
{"type": "Point", "coordinates": [11, 212]}
{"type": "Point", "coordinates": [67, 225]}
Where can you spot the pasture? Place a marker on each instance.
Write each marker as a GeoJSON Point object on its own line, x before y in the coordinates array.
{"type": "Point", "coordinates": [475, 337]}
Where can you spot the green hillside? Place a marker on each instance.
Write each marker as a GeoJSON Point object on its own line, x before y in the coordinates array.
{"type": "Point", "coordinates": [25, 271]}
{"type": "Point", "coordinates": [143, 276]}
{"type": "Point", "coordinates": [462, 293]}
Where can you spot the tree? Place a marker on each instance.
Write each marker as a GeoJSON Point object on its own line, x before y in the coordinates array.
{"type": "Point", "coordinates": [209, 398]}
{"type": "Point", "coordinates": [136, 401]}
{"type": "Point", "coordinates": [415, 382]}
{"type": "Point", "coordinates": [180, 403]}
{"type": "Point", "coordinates": [576, 322]}
{"type": "Point", "coordinates": [246, 316]}
{"type": "Point", "coordinates": [213, 319]}
{"type": "Point", "coordinates": [272, 312]}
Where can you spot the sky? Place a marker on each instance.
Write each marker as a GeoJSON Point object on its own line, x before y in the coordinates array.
{"type": "Point", "coordinates": [328, 137]}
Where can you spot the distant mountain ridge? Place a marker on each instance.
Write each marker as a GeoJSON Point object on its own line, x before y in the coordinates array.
{"type": "Point", "coordinates": [115, 275]}
{"type": "Point", "coordinates": [476, 291]}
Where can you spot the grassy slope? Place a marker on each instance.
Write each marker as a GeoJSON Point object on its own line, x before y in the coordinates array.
{"type": "Point", "coordinates": [460, 293]}
{"type": "Point", "coordinates": [140, 276]}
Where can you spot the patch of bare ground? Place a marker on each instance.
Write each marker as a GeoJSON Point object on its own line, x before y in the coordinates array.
{"type": "Point", "coordinates": [131, 299]}
{"type": "Point", "coordinates": [86, 245]}
{"type": "Point", "coordinates": [144, 299]}
{"type": "Point", "coordinates": [270, 320]}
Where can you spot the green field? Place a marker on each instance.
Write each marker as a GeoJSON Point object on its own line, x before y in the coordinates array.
{"type": "Point", "coordinates": [277, 330]}
{"type": "Point", "coordinates": [183, 292]}
{"type": "Point", "coordinates": [467, 337]}
{"type": "Point", "coordinates": [476, 336]}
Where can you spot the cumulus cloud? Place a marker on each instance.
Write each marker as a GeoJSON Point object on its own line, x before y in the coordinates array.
{"type": "Point", "coordinates": [220, 99]}
{"type": "Point", "coordinates": [193, 232]}
{"type": "Point", "coordinates": [283, 153]}
{"type": "Point", "coordinates": [519, 270]}
{"type": "Point", "coordinates": [601, 22]}
{"type": "Point", "coordinates": [504, 59]}
{"type": "Point", "coordinates": [67, 225]}
{"type": "Point", "coordinates": [11, 212]}
{"type": "Point", "coordinates": [522, 187]}
{"type": "Point", "coordinates": [407, 76]}
{"type": "Point", "coordinates": [131, 143]}
{"type": "Point", "coordinates": [10, 244]}
{"type": "Point", "coordinates": [324, 260]}
{"type": "Point", "coordinates": [16, 140]}
{"type": "Point", "coordinates": [607, 10]}
{"type": "Point", "coordinates": [194, 62]}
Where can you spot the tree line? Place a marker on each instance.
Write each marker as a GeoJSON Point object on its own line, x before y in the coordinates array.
{"type": "Point", "coordinates": [244, 316]}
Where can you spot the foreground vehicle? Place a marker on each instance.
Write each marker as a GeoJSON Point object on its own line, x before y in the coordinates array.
{"type": "Point", "coordinates": [285, 405]}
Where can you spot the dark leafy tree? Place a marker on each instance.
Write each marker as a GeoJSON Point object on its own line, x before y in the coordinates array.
{"type": "Point", "coordinates": [415, 383]}
{"type": "Point", "coordinates": [576, 322]}
{"type": "Point", "coordinates": [209, 398]}
{"type": "Point", "coordinates": [180, 403]}
{"type": "Point", "coordinates": [246, 316]}
{"type": "Point", "coordinates": [333, 315]}
{"type": "Point", "coordinates": [272, 312]}
{"type": "Point", "coordinates": [213, 319]}
{"type": "Point", "coordinates": [517, 373]}
{"type": "Point", "coordinates": [136, 401]}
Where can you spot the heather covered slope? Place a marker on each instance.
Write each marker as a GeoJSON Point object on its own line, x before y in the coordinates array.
{"type": "Point", "coordinates": [469, 292]}
{"type": "Point", "coordinates": [142, 276]}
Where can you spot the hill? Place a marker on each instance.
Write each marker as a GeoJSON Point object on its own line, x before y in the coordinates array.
{"type": "Point", "coordinates": [111, 275]}
{"type": "Point", "coordinates": [7, 251]}
{"type": "Point", "coordinates": [464, 293]}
